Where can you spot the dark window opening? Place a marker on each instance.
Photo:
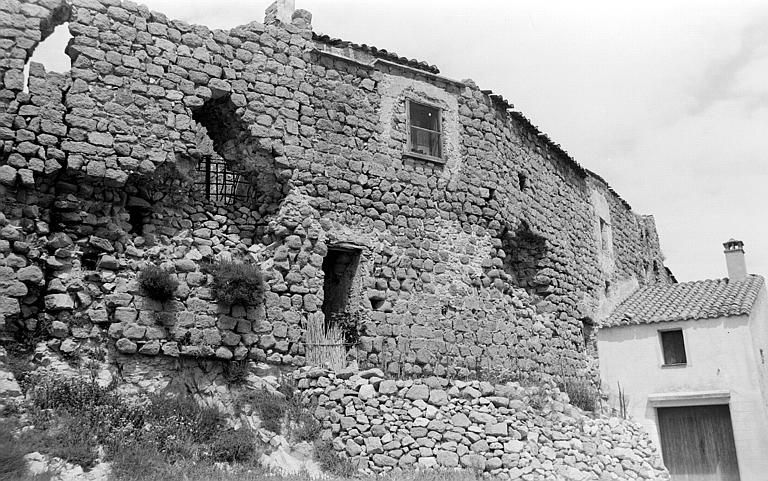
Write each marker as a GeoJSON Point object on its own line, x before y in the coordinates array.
{"type": "Point", "coordinates": [607, 288]}
{"type": "Point", "coordinates": [377, 304]}
{"type": "Point", "coordinates": [673, 347]}
{"type": "Point", "coordinates": [339, 267]}
{"type": "Point", "coordinates": [526, 253]}
{"type": "Point", "coordinates": [424, 130]}
{"type": "Point", "coordinates": [491, 193]}
{"type": "Point", "coordinates": [136, 217]}
{"type": "Point", "coordinates": [522, 181]}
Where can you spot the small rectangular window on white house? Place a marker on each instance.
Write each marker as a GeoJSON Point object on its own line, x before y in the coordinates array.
{"type": "Point", "coordinates": [424, 130]}
{"type": "Point", "coordinates": [673, 347]}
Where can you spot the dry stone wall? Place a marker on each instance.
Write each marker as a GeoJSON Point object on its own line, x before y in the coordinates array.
{"type": "Point", "coordinates": [507, 431]}
{"type": "Point", "coordinates": [99, 175]}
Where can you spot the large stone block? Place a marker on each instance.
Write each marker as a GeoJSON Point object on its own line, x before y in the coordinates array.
{"type": "Point", "coordinates": [418, 391]}
{"type": "Point", "coordinates": [59, 302]}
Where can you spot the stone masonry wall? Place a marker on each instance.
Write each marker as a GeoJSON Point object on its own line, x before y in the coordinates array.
{"type": "Point", "coordinates": [507, 431]}
{"type": "Point", "coordinates": [98, 177]}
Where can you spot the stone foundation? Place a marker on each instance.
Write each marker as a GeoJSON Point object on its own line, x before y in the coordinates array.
{"type": "Point", "coordinates": [507, 431]}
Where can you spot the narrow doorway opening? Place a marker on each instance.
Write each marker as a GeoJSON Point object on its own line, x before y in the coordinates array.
{"type": "Point", "coordinates": [339, 267]}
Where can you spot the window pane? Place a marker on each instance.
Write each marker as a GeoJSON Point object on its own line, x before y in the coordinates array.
{"type": "Point", "coordinates": [424, 117]}
{"type": "Point", "coordinates": [425, 143]}
{"type": "Point", "coordinates": [674, 347]}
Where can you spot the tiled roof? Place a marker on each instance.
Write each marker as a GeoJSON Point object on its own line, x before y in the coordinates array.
{"type": "Point", "coordinates": [376, 52]}
{"type": "Point", "coordinates": [688, 300]}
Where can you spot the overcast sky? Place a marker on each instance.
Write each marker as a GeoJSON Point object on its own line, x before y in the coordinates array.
{"type": "Point", "coordinates": [666, 100]}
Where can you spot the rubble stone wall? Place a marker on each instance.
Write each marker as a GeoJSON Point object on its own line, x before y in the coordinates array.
{"type": "Point", "coordinates": [504, 430]}
{"type": "Point", "coordinates": [95, 172]}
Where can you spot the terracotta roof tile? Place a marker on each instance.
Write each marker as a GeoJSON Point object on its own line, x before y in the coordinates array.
{"type": "Point", "coordinates": [688, 300]}
{"type": "Point", "coordinates": [376, 52]}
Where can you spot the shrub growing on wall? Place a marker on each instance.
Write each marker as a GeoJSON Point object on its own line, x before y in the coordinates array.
{"type": "Point", "coordinates": [157, 283]}
{"type": "Point", "coordinates": [237, 283]}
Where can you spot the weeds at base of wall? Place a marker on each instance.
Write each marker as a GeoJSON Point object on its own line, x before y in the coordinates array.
{"type": "Point", "coordinates": [236, 372]}
{"type": "Point", "coordinates": [282, 412]}
{"type": "Point", "coordinates": [81, 422]}
{"type": "Point", "coordinates": [12, 463]}
{"type": "Point", "coordinates": [581, 393]}
{"type": "Point", "coordinates": [331, 461]}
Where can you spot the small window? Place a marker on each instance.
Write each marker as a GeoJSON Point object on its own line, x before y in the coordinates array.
{"type": "Point", "coordinates": [424, 130]}
{"type": "Point", "coordinates": [673, 347]}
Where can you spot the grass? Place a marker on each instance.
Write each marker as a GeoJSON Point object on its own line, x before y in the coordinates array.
{"type": "Point", "coordinates": [187, 471]}
{"type": "Point", "coordinates": [164, 438]}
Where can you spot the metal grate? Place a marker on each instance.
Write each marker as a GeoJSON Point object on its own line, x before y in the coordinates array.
{"type": "Point", "coordinates": [219, 183]}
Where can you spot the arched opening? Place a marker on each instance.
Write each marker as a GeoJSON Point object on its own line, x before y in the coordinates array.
{"type": "Point", "coordinates": [51, 51]}
{"type": "Point", "coordinates": [232, 167]}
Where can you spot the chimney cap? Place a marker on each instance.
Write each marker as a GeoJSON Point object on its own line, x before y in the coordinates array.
{"type": "Point", "coordinates": [733, 244]}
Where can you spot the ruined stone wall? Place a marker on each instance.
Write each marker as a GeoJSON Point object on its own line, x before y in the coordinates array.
{"type": "Point", "coordinates": [101, 161]}
{"type": "Point", "coordinates": [502, 430]}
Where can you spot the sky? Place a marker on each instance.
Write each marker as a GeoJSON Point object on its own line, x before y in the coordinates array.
{"type": "Point", "coordinates": [667, 100]}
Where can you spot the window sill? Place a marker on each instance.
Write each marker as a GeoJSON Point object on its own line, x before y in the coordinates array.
{"type": "Point", "coordinates": [678, 365]}
{"type": "Point", "coordinates": [428, 158]}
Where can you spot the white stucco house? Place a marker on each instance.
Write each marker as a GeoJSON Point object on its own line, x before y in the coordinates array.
{"type": "Point", "coordinates": [690, 360]}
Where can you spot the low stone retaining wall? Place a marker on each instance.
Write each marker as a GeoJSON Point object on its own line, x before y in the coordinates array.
{"type": "Point", "coordinates": [508, 431]}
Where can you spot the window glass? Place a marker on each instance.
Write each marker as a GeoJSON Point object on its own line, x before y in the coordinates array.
{"type": "Point", "coordinates": [673, 346]}
{"type": "Point", "coordinates": [424, 134]}
{"type": "Point", "coordinates": [425, 142]}
{"type": "Point", "coordinates": [425, 117]}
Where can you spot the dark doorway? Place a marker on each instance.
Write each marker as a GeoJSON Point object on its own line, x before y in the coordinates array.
{"type": "Point", "coordinates": [697, 443]}
{"type": "Point", "coordinates": [339, 267]}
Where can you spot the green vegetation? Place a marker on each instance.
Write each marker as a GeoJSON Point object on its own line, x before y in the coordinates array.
{"type": "Point", "coordinates": [75, 418]}
{"type": "Point", "coordinates": [157, 283]}
{"type": "Point", "coordinates": [236, 283]}
{"type": "Point", "coordinates": [164, 437]}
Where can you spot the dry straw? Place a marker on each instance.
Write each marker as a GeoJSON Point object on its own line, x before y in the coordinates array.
{"type": "Point", "coordinates": [325, 347]}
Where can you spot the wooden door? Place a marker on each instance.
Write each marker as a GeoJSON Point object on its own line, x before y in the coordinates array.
{"type": "Point", "coordinates": [697, 443]}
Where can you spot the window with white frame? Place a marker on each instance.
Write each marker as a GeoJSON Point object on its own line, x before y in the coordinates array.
{"type": "Point", "coordinates": [424, 130]}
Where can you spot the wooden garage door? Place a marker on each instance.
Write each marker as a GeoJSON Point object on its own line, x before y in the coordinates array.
{"type": "Point", "coordinates": [697, 443]}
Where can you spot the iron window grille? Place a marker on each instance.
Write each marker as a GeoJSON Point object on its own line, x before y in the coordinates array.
{"type": "Point", "coordinates": [219, 183]}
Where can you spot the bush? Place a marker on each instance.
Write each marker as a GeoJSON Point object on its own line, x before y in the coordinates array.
{"type": "Point", "coordinates": [157, 283]}
{"type": "Point", "coordinates": [581, 393]}
{"type": "Point", "coordinates": [331, 461]}
{"type": "Point", "coordinates": [233, 445]}
{"type": "Point", "coordinates": [74, 416]}
{"type": "Point", "coordinates": [236, 283]}
{"type": "Point", "coordinates": [271, 407]}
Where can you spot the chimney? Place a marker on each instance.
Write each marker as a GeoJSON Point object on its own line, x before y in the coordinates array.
{"type": "Point", "coordinates": [280, 11]}
{"type": "Point", "coordinates": [734, 260]}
